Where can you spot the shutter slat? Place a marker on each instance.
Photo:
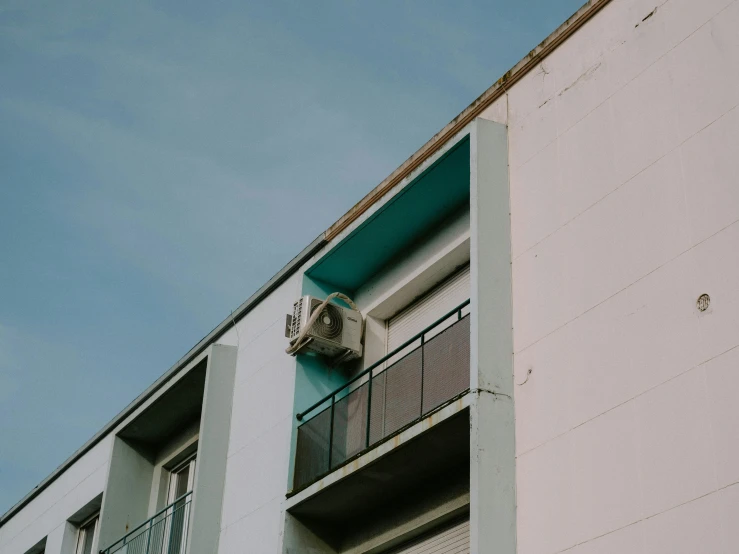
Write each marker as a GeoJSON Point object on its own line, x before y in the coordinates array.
{"type": "Point", "coordinates": [421, 314]}
{"type": "Point", "coordinates": [451, 540]}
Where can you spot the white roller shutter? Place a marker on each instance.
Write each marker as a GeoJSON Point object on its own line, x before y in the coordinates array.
{"type": "Point", "coordinates": [452, 540]}
{"type": "Point", "coordinates": [422, 313]}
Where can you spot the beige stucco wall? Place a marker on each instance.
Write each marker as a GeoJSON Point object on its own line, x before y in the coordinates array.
{"type": "Point", "coordinates": [625, 208]}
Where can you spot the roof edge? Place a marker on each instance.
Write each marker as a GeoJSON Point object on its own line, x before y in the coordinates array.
{"type": "Point", "coordinates": [500, 87]}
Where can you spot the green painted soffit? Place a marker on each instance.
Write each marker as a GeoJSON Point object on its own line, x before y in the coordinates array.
{"type": "Point", "coordinates": [440, 191]}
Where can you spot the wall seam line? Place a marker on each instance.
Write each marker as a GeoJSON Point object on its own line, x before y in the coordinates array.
{"type": "Point", "coordinates": [646, 518]}
{"type": "Point", "coordinates": [621, 404]}
{"type": "Point", "coordinates": [609, 297]}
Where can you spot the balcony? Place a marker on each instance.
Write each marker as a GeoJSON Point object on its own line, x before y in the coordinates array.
{"type": "Point", "coordinates": [164, 533]}
{"type": "Point", "coordinates": [427, 372]}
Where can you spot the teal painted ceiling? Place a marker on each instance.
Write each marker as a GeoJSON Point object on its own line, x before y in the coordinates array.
{"type": "Point", "coordinates": [440, 191]}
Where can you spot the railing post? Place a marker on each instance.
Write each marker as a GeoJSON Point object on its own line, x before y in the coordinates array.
{"type": "Point", "coordinates": [369, 407]}
{"type": "Point", "coordinates": [331, 433]}
{"type": "Point", "coordinates": [170, 533]}
{"type": "Point", "coordinates": [423, 342]}
{"type": "Point", "coordinates": [186, 528]}
{"type": "Point", "coordinates": [148, 539]}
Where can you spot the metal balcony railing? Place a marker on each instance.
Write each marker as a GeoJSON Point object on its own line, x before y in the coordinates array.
{"type": "Point", "coordinates": [390, 395]}
{"type": "Point", "coordinates": [164, 533]}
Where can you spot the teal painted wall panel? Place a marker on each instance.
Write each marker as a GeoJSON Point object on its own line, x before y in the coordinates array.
{"type": "Point", "coordinates": [441, 190]}
{"type": "Point", "coordinates": [313, 378]}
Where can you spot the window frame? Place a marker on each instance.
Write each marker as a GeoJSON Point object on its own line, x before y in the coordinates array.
{"type": "Point", "coordinates": [174, 475]}
{"type": "Point", "coordinates": [84, 529]}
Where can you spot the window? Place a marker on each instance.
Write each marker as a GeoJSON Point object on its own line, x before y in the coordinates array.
{"type": "Point", "coordinates": [181, 480]}
{"type": "Point", "coordinates": [180, 483]}
{"type": "Point", "coordinates": [86, 535]}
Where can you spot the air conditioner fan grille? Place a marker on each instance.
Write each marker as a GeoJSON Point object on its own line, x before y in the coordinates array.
{"type": "Point", "coordinates": [330, 323]}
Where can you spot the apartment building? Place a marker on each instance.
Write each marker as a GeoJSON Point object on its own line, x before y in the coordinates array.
{"type": "Point", "coordinates": [535, 350]}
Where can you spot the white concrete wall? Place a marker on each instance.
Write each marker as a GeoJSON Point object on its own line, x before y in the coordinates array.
{"type": "Point", "coordinates": [47, 514]}
{"type": "Point", "coordinates": [213, 445]}
{"type": "Point", "coordinates": [261, 425]}
{"type": "Point", "coordinates": [625, 208]}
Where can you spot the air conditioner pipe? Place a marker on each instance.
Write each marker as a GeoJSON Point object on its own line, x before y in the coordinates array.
{"type": "Point", "coordinates": [299, 342]}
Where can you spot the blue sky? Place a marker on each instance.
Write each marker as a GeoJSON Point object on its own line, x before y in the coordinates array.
{"type": "Point", "coordinates": [159, 161]}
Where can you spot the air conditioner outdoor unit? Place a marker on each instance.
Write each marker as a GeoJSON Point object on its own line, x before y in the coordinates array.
{"type": "Point", "coordinates": [337, 333]}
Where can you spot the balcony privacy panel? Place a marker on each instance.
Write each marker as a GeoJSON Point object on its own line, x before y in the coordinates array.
{"type": "Point", "coordinates": [446, 364]}
{"type": "Point", "coordinates": [403, 393]}
{"type": "Point", "coordinates": [311, 452]}
{"type": "Point", "coordinates": [350, 426]}
{"type": "Point", "coordinates": [377, 412]}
